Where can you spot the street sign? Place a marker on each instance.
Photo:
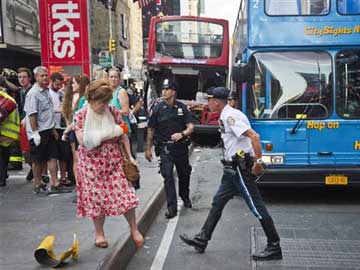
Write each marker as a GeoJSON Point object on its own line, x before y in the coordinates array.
{"type": "Point", "coordinates": [105, 61]}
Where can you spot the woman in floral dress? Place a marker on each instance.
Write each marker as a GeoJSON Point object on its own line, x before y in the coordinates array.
{"type": "Point", "coordinates": [102, 188]}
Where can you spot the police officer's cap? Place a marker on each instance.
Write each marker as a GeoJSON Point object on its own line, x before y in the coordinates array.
{"type": "Point", "coordinates": [168, 84]}
{"type": "Point", "coordinates": [219, 92]}
{"type": "Point", "coordinates": [233, 96]}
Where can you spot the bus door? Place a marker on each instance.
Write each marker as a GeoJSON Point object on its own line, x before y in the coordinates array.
{"type": "Point", "coordinates": [346, 129]}
{"type": "Point", "coordinates": [323, 137]}
{"type": "Point", "coordinates": [335, 140]}
{"type": "Point", "coordinates": [290, 90]}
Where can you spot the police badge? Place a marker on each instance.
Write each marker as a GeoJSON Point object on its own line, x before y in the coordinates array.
{"type": "Point", "coordinates": [230, 120]}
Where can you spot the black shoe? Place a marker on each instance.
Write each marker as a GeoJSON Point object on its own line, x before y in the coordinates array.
{"type": "Point", "coordinates": [45, 178]}
{"type": "Point", "coordinates": [199, 244]}
{"type": "Point", "coordinates": [3, 184]}
{"type": "Point", "coordinates": [170, 213]}
{"type": "Point", "coordinates": [30, 175]}
{"type": "Point", "coordinates": [271, 252]}
{"type": "Point", "coordinates": [59, 189]}
{"type": "Point", "coordinates": [187, 203]}
{"type": "Point", "coordinates": [39, 191]}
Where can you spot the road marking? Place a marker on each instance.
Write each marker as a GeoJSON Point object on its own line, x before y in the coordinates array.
{"type": "Point", "coordinates": [164, 247]}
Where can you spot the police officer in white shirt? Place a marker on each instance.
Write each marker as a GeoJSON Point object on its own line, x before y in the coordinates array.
{"type": "Point", "coordinates": [242, 162]}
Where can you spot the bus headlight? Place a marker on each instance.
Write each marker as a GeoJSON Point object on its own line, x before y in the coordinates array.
{"type": "Point", "coordinates": [273, 159]}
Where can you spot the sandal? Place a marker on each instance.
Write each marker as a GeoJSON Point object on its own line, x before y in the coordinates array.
{"type": "Point", "coordinates": [65, 181]}
{"type": "Point", "coordinates": [102, 244]}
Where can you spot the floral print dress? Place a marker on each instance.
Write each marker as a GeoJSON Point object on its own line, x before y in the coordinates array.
{"type": "Point", "coordinates": [102, 189]}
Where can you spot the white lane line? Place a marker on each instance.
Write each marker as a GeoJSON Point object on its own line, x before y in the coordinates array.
{"type": "Point", "coordinates": [164, 247]}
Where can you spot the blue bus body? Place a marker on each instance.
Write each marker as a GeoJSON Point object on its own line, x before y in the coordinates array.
{"type": "Point", "coordinates": [301, 91]}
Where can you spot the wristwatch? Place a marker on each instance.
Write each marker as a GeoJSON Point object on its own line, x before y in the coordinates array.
{"type": "Point", "coordinates": [259, 161]}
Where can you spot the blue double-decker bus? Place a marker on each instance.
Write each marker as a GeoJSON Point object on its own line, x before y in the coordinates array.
{"type": "Point", "coordinates": [297, 72]}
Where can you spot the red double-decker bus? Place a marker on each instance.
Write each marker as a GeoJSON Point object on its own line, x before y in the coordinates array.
{"type": "Point", "coordinates": [195, 52]}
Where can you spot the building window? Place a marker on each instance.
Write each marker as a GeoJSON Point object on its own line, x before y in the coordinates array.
{"type": "Point", "coordinates": [123, 26]}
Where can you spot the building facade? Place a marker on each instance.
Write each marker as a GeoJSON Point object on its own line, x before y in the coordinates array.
{"type": "Point", "coordinates": [135, 54]}
{"type": "Point", "coordinates": [19, 34]}
{"type": "Point", "coordinates": [190, 7]}
{"type": "Point", "coordinates": [122, 23]}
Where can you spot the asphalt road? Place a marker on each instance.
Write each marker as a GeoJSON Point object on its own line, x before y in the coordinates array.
{"type": "Point", "coordinates": [318, 228]}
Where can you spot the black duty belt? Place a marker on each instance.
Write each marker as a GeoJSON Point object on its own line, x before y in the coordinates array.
{"type": "Point", "coordinates": [180, 142]}
{"type": "Point", "coordinates": [228, 164]}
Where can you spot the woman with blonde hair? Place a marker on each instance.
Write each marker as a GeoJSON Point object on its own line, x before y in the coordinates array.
{"type": "Point", "coordinates": [120, 98]}
{"type": "Point", "coordinates": [102, 187]}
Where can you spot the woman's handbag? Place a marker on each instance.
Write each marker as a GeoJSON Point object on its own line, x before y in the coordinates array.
{"type": "Point", "coordinates": [131, 171]}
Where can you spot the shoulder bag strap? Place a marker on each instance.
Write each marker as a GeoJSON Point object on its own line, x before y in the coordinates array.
{"type": "Point", "coordinates": [122, 146]}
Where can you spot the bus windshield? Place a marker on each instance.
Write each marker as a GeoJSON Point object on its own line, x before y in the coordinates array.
{"type": "Point", "coordinates": [189, 39]}
{"type": "Point", "coordinates": [290, 85]}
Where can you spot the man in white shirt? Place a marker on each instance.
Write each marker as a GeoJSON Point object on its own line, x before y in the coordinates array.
{"type": "Point", "coordinates": [57, 97]}
{"type": "Point", "coordinates": [40, 129]}
{"type": "Point", "coordinates": [242, 162]}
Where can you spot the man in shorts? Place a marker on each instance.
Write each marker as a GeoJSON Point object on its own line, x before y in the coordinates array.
{"type": "Point", "coordinates": [40, 129]}
{"type": "Point", "coordinates": [64, 151]}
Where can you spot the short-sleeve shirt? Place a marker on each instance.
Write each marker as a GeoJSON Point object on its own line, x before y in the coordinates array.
{"type": "Point", "coordinates": [38, 101]}
{"type": "Point", "coordinates": [57, 100]}
{"type": "Point", "coordinates": [116, 103]}
{"type": "Point", "coordinates": [233, 124]}
{"type": "Point", "coordinates": [167, 120]}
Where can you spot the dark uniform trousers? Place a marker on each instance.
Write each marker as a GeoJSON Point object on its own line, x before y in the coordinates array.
{"type": "Point", "coordinates": [4, 161]}
{"type": "Point", "coordinates": [180, 158]}
{"type": "Point", "coordinates": [230, 186]}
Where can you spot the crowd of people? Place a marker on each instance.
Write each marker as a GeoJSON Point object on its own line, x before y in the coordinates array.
{"type": "Point", "coordinates": [91, 123]}
{"type": "Point", "coordinates": [60, 136]}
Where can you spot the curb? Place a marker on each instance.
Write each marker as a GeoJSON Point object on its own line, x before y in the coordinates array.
{"type": "Point", "coordinates": [125, 248]}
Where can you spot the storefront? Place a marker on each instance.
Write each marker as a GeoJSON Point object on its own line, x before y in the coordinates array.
{"type": "Point", "coordinates": [19, 34]}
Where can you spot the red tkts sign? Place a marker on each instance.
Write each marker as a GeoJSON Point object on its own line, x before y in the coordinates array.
{"type": "Point", "coordinates": [64, 35]}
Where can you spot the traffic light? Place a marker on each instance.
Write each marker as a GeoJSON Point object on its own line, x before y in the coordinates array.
{"type": "Point", "coordinates": [112, 45]}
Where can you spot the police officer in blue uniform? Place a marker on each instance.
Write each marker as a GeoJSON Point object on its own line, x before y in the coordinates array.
{"type": "Point", "coordinates": [242, 162]}
{"type": "Point", "coordinates": [170, 125]}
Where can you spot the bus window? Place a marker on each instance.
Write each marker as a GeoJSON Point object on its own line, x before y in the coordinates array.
{"type": "Point", "coordinates": [189, 39]}
{"type": "Point", "coordinates": [290, 85]}
{"type": "Point", "coordinates": [348, 7]}
{"type": "Point", "coordinates": [299, 7]}
{"type": "Point", "coordinates": [348, 83]}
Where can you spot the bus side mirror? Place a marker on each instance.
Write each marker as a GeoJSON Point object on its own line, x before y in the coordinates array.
{"type": "Point", "coordinates": [240, 73]}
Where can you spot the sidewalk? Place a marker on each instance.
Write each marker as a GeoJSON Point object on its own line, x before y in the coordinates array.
{"type": "Point", "coordinates": [25, 219]}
